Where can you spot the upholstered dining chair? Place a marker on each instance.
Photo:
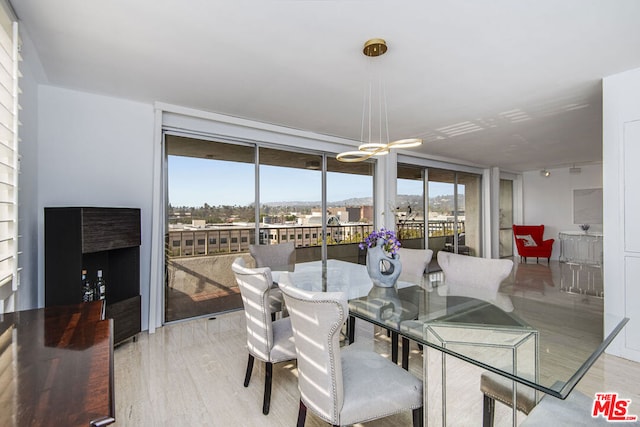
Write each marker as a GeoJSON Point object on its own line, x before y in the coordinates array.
{"type": "Point", "coordinates": [267, 340]}
{"type": "Point", "coordinates": [279, 257]}
{"type": "Point", "coordinates": [474, 273]}
{"type": "Point", "coordinates": [349, 385]}
{"type": "Point", "coordinates": [415, 262]}
{"type": "Point", "coordinates": [575, 410]}
{"type": "Point", "coordinates": [498, 388]}
{"type": "Point", "coordinates": [481, 278]}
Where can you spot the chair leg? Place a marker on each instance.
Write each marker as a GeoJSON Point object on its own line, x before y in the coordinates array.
{"type": "Point", "coordinates": [273, 317]}
{"type": "Point", "coordinates": [418, 417]}
{"type": "Point", "coordinates": [394, 347]}
{"type": "Point", "coordinates": [247, 376]}
{"type": "Point", "coordinates": [267, 387]}
{"type": "Point", "coordinates": [302, 414]}
{"type": "Point", "coordinates": [351, 329]}
{"type": "Point", "coordinates": [488, 411]}
{"type": "Point", "coordinates": [405, 353]}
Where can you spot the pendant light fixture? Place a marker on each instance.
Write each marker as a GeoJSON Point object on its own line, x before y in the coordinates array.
{"type": "Point", "coordinates": [369, 148]}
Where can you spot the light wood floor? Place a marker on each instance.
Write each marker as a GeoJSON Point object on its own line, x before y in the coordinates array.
{"type": "Point", "coordinates": [191, 374]}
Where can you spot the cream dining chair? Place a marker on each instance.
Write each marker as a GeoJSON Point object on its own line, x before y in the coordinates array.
{"type": "Point", "coordinates": [415, 263]}
{"type": "Point", "coordinates": [279, 257]}
{"type": "Point", "coordinates": [349, 385]}
{"type": "Point", "coordinates": [481, 278]}
{"type": "Point", "coordinates": [267, 340]}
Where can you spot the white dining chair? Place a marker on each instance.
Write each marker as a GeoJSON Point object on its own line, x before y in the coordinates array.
{"type": "Point", "coordinates": [278, 257]}
{"type": "Point", "coordinates": [495, 387]}
{"type": "Point", "coordinates": [267, 340]}
{"type": "Point", "coordinates": [480, 278]}
{"type": "Point", "coordinates": [469, 272]}
{"type": "Point", "coordinates": [575, 410]}
{"type": "Point", "coordinates": [415, 262]}
{"type": "Point", "coordinates": [349, 385]}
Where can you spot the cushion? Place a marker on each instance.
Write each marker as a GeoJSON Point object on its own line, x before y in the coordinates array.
{"type": "Point", "coordinates": [575, 410]}
{"type": "Point", "coordinates": [370, 396]}
{"type": "Point", "coordinates": [501, 389]}
{"type": "Point", "coordinates": [528, 240]}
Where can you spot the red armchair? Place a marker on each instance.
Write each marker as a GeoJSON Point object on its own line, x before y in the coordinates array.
{"type": "Point", "coordinates": [530, 242]}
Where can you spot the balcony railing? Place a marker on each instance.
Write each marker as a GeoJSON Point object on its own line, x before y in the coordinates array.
{"type": "Point", "coordinates": [236, 239]}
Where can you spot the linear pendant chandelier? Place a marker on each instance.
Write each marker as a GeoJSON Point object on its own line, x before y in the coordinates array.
{"type": "Point", "coordinates": [374, 48]}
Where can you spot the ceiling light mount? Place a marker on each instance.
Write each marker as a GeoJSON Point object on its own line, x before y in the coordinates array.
{"type": "Point", "coordinates": [545, 173]}
{"type": "Point", "coordinates": [575, 170]}
{"type": "Point", "coordinates": [375, 47]}
{"type": "Point", "coordinates": [367, 149]}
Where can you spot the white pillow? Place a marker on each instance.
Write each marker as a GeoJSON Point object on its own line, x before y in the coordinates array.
{"type": "Point", "coordinates": [528, 240]}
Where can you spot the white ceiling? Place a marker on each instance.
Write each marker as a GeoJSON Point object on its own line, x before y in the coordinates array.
{"type": "Point", "coordinates": [508, 83]}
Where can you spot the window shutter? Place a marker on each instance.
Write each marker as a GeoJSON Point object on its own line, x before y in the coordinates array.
{"type": "Point", "coordinates": [9, 74]}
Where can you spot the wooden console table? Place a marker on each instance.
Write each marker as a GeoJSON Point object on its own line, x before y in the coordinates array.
{"type": "Point", "coordinates": [56, 365]}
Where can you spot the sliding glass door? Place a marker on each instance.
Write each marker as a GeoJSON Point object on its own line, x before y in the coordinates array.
{"type": "Point", "coordinates": [454, 220]}
{"type": "Point", "coordinates": [349, 208]}
{"type": "Point", "coordinates": [210, 219]}
{"type": "Point", "coordinates": [410, 217]}
{"type": "Point", "coordinates": [224, 196]}
{"type": "Point", "coordinates": [291, 200]}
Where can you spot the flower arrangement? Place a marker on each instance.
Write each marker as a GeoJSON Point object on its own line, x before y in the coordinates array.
{"type": "Point", "coordinates": [391, 244]}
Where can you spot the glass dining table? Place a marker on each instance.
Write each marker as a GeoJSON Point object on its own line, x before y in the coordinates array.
{"type": "Point", "coordinates": [546, 341]}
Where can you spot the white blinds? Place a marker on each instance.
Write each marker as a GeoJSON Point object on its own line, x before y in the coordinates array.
{"type": "Point", "coordinates": [9, 75]}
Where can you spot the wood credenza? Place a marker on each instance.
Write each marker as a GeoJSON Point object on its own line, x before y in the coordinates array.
{"type": "Point", "coordinates": [56, 367]}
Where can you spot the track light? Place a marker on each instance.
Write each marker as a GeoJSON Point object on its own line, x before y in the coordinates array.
{"type": "Point", "coordinates": [545, 173]}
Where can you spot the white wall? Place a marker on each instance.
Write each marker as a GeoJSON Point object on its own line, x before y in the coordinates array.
{"type": "Point", "coordinates": [95, 151]}
{"type": "Point", "coordinates": [549, 200]}
{"type": "Point", "coordinates": [621, 157]}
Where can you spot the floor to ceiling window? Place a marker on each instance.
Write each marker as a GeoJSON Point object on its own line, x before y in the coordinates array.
{"type": "Point", "coordinates": [349, 208]}
{"type": "Point", "coordinates": [454, 220]}
{"type": "Point", "coordinates": [210, 211]}
{"type": "Point", "coordinates": [290, 198]}
{"type": "Point", "coordinates": [410, 217]}
{"type": "Point", "coordinates": [224, 196]}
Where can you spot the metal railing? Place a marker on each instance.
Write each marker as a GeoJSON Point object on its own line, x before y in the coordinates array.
{"type": "Point", "coordinates": [235, 239]}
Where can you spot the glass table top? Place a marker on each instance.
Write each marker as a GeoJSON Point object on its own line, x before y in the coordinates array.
{"type": "Point", "coordinates": [547, 341]}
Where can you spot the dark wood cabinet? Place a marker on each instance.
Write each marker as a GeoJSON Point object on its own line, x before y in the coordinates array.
{"type": "Point", "coordinates": [92, 239]}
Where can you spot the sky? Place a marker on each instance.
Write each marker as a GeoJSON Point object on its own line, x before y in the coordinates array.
{"type": "Point", "coordinates": [194, 182]}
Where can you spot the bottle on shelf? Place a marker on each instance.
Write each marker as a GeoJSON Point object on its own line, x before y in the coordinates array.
{"type": "Point", "coordinates": [101, 286]}
{"type": "Point", "coordinates": [87, 290]}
